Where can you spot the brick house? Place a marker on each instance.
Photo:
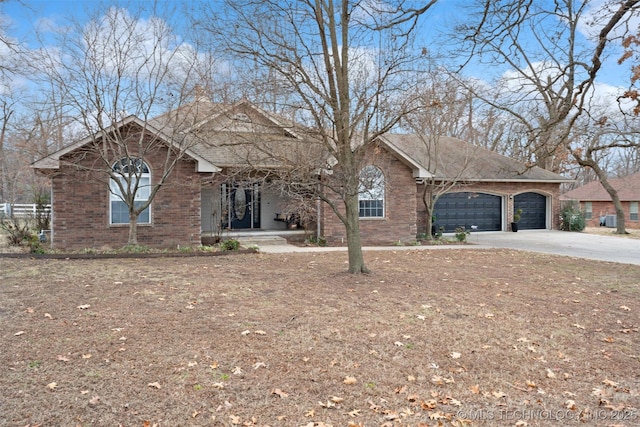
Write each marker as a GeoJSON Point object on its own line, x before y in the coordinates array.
{"type": "Point", "coordinates": [596, 203]}
{"type": "Point", "coordinates": [206, 195]}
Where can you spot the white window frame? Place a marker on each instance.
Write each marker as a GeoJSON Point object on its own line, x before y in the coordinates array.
{"type": "Point", "coordinates": [588, 210]}
{"type": "Point", "coordinates": [633, 211]}
{"type": "Point", "coordinates": [141, 177]}
{"type": "Point", "coordinates": [371, 193]}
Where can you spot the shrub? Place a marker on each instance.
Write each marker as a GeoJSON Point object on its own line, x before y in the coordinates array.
{"type": "Point", "coordinates": [230, 245]}
{"type": "Point", "coordinates": [18, 230]}
{"type": "Point", "coordinates": [461, 234]}
{"type": "Point", "coordinates": [317, 241]}
{"type": "Point", "coordinates": [572, 219]}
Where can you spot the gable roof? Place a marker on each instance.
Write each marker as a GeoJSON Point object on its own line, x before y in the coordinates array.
{"type": "Point", "coordinates": [628, 189]}
{"type": "Point", "coordinates": [241, 135]}
{"type": "Point", "coordinates": [454, 159]}
{"type": "Point", "coordinates": [52, 161]}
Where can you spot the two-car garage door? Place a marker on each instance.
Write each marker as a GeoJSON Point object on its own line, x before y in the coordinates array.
{"type": "Point", "coordinates": [483, 210]}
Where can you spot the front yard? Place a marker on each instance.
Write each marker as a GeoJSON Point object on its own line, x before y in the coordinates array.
{"type": "Point", "coordinates": [432, 337]}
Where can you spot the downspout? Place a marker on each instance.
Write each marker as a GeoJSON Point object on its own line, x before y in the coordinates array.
{"type": "Point", "coordinates": [51, 217]}
{"type": "Point", "coordinates": [318, 207]}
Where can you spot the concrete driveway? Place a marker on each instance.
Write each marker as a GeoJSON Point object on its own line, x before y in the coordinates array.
{"type": "Point", "coordinates": [579, 245]}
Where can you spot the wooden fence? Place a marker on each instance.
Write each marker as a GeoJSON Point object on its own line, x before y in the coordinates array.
{"type": "Point", "coordinates": [21, 210]}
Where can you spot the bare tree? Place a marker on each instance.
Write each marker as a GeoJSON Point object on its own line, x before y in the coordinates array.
{"type": "Point", "coordinates": [630, 44]}
{"type": "Point", "coordinates": [550, 77]}
{"type": "Point", "coordinates": [444, 109]}
{"type": "Point", "coordinates": [600, 141]}
{"type": "Point", "coordinates": [122, 79]}
{"type": "Point", "coordinates": [345, 62]}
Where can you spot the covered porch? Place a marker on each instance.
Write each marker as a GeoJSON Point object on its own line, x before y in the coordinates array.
{"type": "Point", "coordinates": [249, 211]}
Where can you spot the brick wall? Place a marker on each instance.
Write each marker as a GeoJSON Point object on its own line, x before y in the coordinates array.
{"type": "Point", "coordinates": [606, 208]}
{"type": "Point", "coordinates": [404, 210]}
{"type": "Point", "coordinates": [81, 206]}
{"type": "Point", "coordinates": [399, 222]}
{"type": "Point", "coordinates": [503, 189]}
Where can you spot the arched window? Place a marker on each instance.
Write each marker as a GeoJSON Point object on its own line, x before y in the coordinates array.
{"type": "Point", "coordinates": [371, 193]}
{"type": "Point", "coordinates": [133, 175]}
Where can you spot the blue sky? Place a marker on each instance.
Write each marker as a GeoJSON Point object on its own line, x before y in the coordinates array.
{"type": "Point", "coordinates": [29, 13]}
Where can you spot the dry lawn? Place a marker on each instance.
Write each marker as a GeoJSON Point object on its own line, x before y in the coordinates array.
{"type": "Point", "coordinates": [432, 337]}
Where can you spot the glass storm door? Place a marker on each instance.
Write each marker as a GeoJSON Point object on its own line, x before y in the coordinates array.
{"type": "Point", "coordinates": [243, 205]}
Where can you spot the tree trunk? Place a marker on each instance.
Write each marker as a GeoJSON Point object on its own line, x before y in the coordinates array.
{"type": "Point", "coordinates": [133, 230]}
{"type": "Point", "coordinates": [427, 200]}
{"type": "Point", "coordinates": [613, 193]}
{"type": "Point", "coordinates": [620, 226]}
{"type": "Point", "coordinates": [354, 245]}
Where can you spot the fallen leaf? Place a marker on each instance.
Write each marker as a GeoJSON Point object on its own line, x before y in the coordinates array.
{"type": "Point", "coordinates": [428, 404]}
{"type": "Point", "coordinates": [337, 399]}
{"type": "Point", "coordinates": [237, 370]}
{"type": "Point", "coordinates": [610, 383]}
{"type": "Point", "coordinates": [52, 386]}
{"type": "Point", "coordinates": [455, 355]}
{"type": "Point", "coordinates": [455, 402]}
{"type": "Point", "coordinates": [327, 405]}
{"type": "Point", "coordinates": [570, 404]}
{"type": "Point", "coordinates": [402, 389]}
{"type": "Point", "coordinates": [219, 386]}
{"type": "Point", "coordinates": [155, 385]}
{"type": "Point", "coordinates": [475, 389]}
{"type": "Point", "coordinates": [192, 364]}
{"type": "Point", "coordinates": [439, 380]}
{"type": "Point", "coordinates": [310, 413]}
{"type": "Point", "coordinates": [280, 393]}
{"type": "Point", "coordinates": [62, 358]}
{"type": "Point", "coordinates": [235, 420]}
{"type": "Point", "coordinates": [550, 373]}
{"type": "Point", "coordinates": [259, 365]}
{"type": "Point", "coordinates": [354, 413]}
{"type": "Point", "coordinates": [436, 416]}
{"type": "Point", "coordinates": [349, 380]}
{"type": "Point", "coordinates": [94, 400]}
{"type": "Point", "coordinates": [86, 356]}
{"type": "Point", "coordinates": [499, 394]}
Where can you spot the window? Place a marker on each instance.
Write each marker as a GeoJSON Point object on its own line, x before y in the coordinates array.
{"type": "Point", "coordinates": [588, 210]}
{"type": "Point", "coordinates": [371, 193]}
{"type": "Point", "coordinates": [135, 172]}
{"type": "Point", "coordinates": [633, 211]}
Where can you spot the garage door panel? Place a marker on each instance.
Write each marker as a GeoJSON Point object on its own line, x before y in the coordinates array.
{"type": "Point", "coordinates": [465, 209]}
{"type": "Point", "coordinates": [534, 210]}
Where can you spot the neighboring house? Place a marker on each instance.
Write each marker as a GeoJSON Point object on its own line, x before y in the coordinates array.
{"type": "Point", "coordinates": [596, 203]}
{"type": "Point", "coordinates": [208, 196]}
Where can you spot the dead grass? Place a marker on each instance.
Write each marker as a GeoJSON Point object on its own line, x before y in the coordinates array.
{"type": "Point", "coordinates": [433, 337]}
{"type": "Point", "coordinates": [632, 233]}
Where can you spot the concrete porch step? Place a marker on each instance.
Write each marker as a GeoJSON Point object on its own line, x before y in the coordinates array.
{"type": "Point", "coordinates": [248, 241]}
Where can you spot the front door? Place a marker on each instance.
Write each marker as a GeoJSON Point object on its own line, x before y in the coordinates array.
{"type": "Point", "coordinates": [243, 205]}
